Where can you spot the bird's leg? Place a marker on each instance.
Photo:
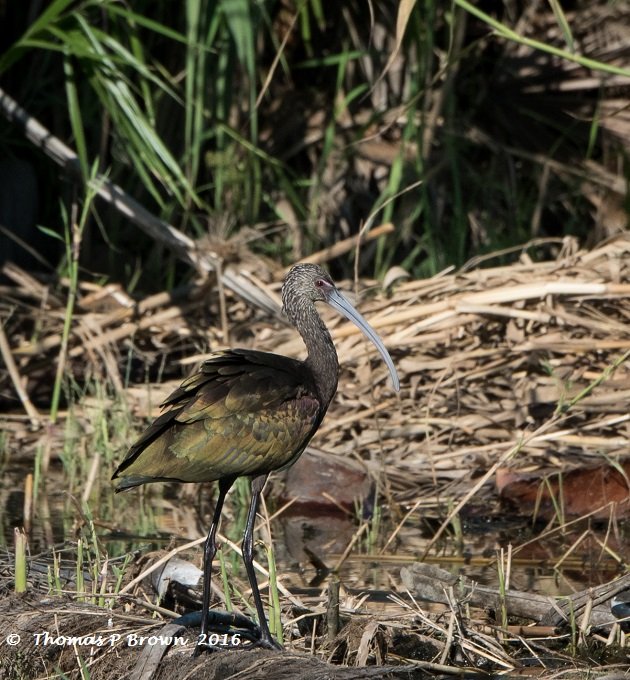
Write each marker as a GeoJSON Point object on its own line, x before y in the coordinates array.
{"type": "Point", "coordinates": [248, 558]}
{"type": "Point", "coordinates": [209, 551]}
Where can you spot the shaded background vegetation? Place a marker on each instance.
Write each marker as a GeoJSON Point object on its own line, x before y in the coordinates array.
{"type": "Point", "coordinates": [278, 128]}
{"type": "Point", "coordinates": [283, 125]}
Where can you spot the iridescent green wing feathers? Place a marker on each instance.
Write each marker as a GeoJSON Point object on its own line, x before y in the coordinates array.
{"type": "Point", "coordinates": [243, 413]}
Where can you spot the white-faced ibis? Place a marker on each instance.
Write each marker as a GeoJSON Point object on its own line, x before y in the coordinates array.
{"type": "Point", "coordinates": [248, 413]}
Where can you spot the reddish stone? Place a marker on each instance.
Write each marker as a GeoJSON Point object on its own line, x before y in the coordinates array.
{"type": "Point", "coordinates": [321, 482]}
{"type": "Point", "coordinates": [603, 490]}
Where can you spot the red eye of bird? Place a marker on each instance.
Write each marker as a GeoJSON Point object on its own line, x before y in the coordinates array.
{"type": "Point", "coordinates": [320, 283]}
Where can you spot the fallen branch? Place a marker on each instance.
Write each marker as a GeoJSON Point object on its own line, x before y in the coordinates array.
{"type": "Point", "coordinates": [430, 583]}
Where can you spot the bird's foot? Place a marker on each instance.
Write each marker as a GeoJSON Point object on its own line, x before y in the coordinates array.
{"type": "Point", "coordinates": [268, 643]}
{"type": "Point", "coordinates": [226, 630]}
{"type": "Point", "coordinates": [221, 622]}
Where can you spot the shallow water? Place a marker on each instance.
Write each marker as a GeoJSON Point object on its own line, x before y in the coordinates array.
{"type": "Point", "coordinates": [308, 548]}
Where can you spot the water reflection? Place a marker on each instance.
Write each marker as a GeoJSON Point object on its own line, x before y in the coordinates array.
{"type": "Point", "coordinates": [309, 544]}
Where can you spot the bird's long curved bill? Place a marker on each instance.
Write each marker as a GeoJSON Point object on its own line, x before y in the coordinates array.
{"type": "Point", "coordinates": [337, 301]}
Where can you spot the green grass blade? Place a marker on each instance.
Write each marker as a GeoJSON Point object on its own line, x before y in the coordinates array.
{"type": "Point", "coordinates": [76, 119]}
{"type": "Point", "coordinates": [505, 32]}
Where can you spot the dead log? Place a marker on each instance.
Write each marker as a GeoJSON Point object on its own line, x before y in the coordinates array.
{"type": "Point", "coordinates": [430, 583]}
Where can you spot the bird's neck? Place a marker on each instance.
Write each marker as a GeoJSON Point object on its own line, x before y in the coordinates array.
{"type": "Point", "coordinates": [323, 362]}
{"type": "Point", "coordinates": [322, 359]}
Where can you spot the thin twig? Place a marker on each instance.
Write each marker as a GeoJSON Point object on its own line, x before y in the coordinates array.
{"type": "Point", "coordinates": [7, 356]}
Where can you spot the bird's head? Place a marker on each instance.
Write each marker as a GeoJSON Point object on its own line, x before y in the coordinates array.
{"type": "Point", "coordinates": [306, 284]}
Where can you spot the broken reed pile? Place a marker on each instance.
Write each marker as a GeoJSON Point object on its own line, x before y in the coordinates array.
{"type": "Point", "coordinates": [485, 356]}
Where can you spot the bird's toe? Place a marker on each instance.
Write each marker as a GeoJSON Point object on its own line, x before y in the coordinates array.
{"type": "Point", "coordinates": [268, 643]}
